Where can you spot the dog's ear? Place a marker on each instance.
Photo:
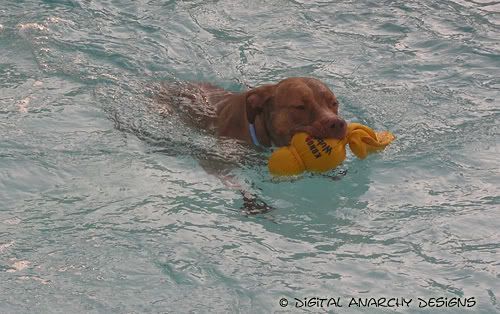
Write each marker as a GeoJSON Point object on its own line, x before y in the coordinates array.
{"type": "Point", "coordinates": [256, 99]}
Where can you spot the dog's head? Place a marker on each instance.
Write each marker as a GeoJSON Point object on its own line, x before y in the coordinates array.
{"type": "Point", "coordinates": [294, 105]}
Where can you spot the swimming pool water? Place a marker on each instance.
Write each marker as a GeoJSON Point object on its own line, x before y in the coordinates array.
{"type": "Point", "coordinates": [104, 207]}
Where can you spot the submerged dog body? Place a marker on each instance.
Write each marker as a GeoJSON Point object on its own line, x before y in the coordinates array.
{"type": "Point", "coordinates": [264, 116]}
{"type": "Point", "coordinates": [275, 111]}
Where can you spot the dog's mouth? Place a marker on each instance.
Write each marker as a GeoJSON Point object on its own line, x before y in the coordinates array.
{"type": "Point", "coordinates": [337, 130]}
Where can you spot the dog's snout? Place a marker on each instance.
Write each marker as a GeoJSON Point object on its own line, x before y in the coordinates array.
{"type": "Point", "coordinates": [329, 127]}
{"type": "Point", "coordinates": [335, 127]}
{"type": "Point", "coordinates": [337, 123]}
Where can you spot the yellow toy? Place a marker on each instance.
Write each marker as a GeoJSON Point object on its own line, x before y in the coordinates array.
{"type": "Point", "coordinates": [317, 155]}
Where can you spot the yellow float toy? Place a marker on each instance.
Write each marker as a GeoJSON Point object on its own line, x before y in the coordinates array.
{"type": "Point", "coordinates": [317, 155]}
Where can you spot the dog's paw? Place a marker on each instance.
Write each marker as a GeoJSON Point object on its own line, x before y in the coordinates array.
{"type": "Point", "coordinates": [253, 205]}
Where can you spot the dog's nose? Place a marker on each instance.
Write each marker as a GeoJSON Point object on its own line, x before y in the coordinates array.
{"type": "Point", "coordinates": [328, 127]}
{"type": "Point", "coordinates": [335, 127]}
{"type": "Point", "coordinates": [337, 124]}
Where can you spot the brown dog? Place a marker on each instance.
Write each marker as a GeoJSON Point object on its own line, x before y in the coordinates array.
{"type": "Point", "coordinates": [278, 111]}
{"type": "Point", "coordinates": [275, 111]}
{"type": "Point", "coordinates": [268, 115]}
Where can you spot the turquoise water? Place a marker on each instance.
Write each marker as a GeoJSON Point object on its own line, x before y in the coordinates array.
{"type": "Point", "coordinates": [104, 207]}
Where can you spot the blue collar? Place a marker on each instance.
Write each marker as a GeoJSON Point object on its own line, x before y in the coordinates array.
{"type": "Point", "coordinates": [253, 134]}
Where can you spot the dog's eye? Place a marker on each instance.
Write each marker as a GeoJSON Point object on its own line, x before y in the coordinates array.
{"type": "Point", "coordinates": [300, 107]}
